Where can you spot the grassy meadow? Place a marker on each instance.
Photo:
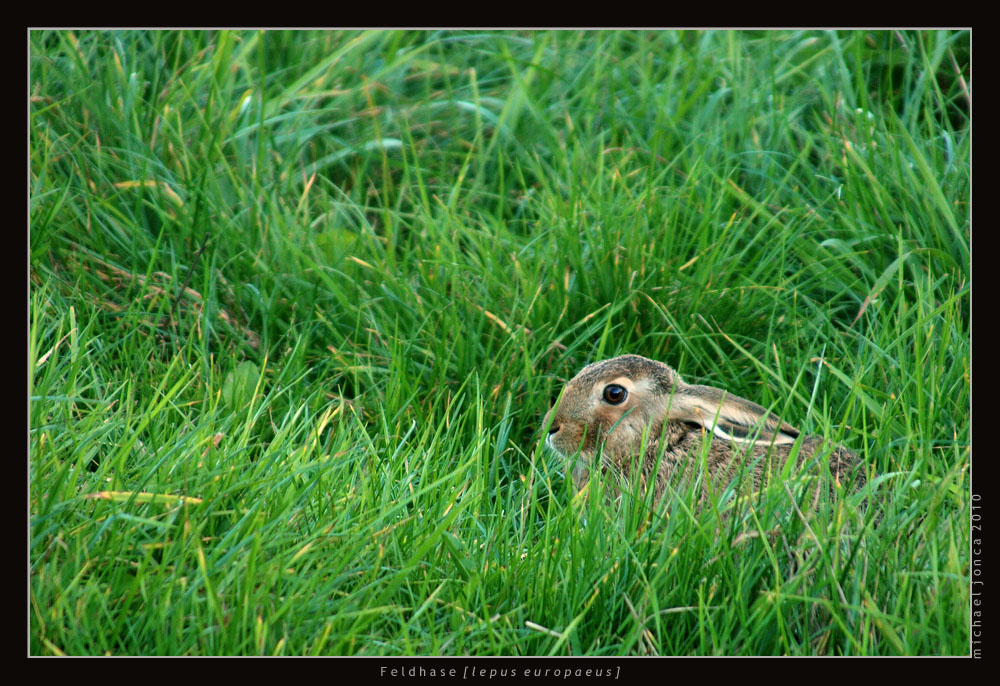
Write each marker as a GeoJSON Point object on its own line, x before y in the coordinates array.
{"type": "Point", "coordinates": [299, 301]}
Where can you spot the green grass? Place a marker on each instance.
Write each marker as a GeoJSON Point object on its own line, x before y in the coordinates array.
{"type": "Point", "coordinates": [300, 300]}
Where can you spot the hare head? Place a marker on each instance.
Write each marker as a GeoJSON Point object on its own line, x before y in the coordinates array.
{"type": "Point", "coordinates": [632, 410]}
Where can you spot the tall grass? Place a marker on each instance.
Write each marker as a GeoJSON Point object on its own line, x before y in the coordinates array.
{"type": "Point", "coordinates": [299, 301]}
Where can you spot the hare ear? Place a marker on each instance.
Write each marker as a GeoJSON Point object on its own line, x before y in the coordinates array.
{"type": "Point", "coordinates": [729, 416]}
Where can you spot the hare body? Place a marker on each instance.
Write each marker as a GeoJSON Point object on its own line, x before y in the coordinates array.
{"type": "Point", "coordinates": [632, 405]}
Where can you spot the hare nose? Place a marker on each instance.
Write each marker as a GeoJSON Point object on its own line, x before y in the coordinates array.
{"type": "Point", "coordinates": [553, 429]}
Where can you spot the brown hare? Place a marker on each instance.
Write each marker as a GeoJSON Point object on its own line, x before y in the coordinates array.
{"type": "Point", "coordinates": [621, 402]}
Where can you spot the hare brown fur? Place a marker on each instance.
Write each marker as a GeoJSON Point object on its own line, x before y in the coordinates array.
{"type": "Point", "coordinates": [625, 401]}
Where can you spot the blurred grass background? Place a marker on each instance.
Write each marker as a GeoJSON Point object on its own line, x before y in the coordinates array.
{"type": "Point", "coordinates": [299, 301]}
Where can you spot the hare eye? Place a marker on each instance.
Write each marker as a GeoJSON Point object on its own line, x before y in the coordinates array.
{"type": "Point", "coordinates": [615, 394]}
